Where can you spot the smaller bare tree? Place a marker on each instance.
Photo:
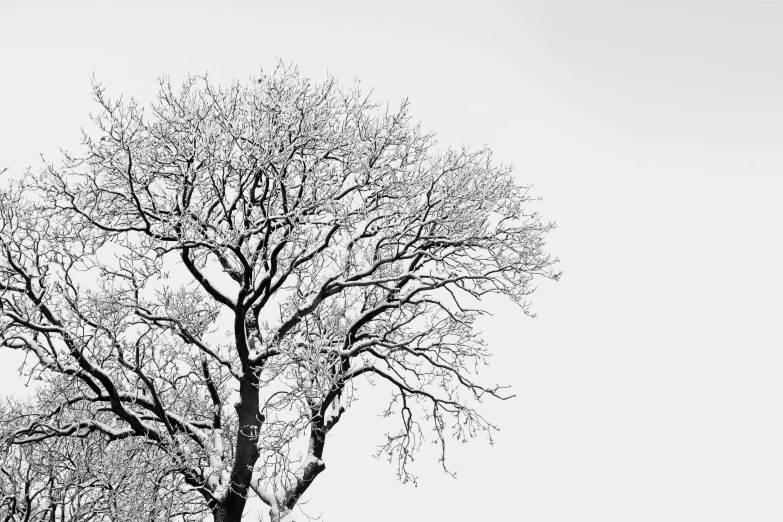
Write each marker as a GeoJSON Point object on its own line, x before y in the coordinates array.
{"type": "Point", "coordinates": [86, 478]}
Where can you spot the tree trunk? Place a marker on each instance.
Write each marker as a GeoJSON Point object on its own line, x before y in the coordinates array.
{"type": "Point", "coordinates": [226, 512]}
{"type": "Point", "coordinates": [230, 508]}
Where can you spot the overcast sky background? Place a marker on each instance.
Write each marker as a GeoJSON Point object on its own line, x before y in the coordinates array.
{"type": "Point", "coordinates": [649, 386]}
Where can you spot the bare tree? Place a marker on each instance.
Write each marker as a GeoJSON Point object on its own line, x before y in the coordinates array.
{"type": "Point", "coordinates": [333, 240]}
{"type": "Point", "coordinates": [81, 479]}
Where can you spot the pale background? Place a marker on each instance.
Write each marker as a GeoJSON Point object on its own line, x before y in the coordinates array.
{"type": "Point", "coordinates": [649, 387]}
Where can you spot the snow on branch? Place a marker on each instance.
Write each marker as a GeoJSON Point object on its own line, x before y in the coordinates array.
{"type": "Point", "coordinates": [210, 278]}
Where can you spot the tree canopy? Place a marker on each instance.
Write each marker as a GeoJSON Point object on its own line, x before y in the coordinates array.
{"type": "Point", "coordinates": [209, 278]}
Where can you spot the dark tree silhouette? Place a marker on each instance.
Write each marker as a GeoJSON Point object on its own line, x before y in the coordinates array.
{"type": "Point", "coordinates": [334, 241]}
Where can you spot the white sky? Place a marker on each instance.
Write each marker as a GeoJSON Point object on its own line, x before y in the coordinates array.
{"type": "Point", "coordinates": [649, 386]}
